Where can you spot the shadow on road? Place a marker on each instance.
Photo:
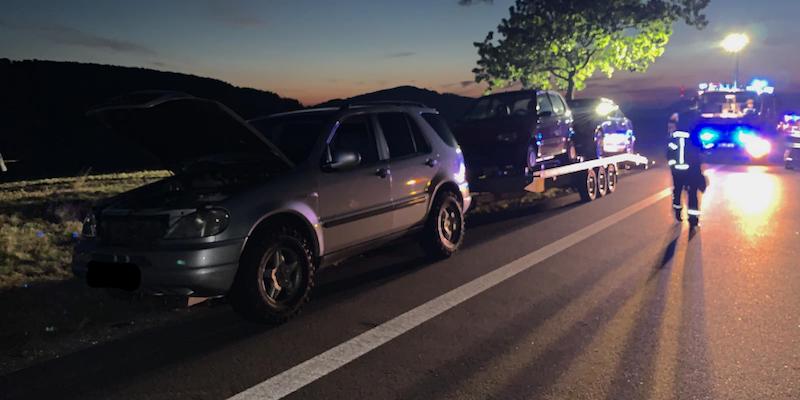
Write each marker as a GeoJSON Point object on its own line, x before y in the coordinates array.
{"type": "Point", "coordinates": [543, 369]}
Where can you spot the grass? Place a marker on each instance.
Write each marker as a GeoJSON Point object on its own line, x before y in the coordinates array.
{"type": "Point", "coordinates": [41, 219]}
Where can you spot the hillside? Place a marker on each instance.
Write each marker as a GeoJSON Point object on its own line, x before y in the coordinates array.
{"type": "Point", "coordinates": [451, 106]}
{"type": "Point", "coordinates": [43, 106]}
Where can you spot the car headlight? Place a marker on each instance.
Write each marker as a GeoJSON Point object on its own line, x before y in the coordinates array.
{"type": "Point", "coordinates": [202, 223]}
{"type": "Point", "coordinates": [89, 229]}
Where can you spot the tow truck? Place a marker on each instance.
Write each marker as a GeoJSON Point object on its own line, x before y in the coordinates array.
{"type": "Point", "coordinates": [524, 140]}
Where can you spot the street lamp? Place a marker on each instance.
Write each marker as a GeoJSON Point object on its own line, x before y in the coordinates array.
{"type": "Point", "coordinates": [735, 43]}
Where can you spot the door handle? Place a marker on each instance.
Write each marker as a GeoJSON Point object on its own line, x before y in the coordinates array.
{"type": "Point", "coordinates": [431, 162]}
{"type": "Point", "coordinates": [383, 172]}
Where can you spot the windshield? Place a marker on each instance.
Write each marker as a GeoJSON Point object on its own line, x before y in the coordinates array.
{"type": "Point", "coordinates": [294, 135]}
{"type": "Point", "coordinates": [498, 106]}
{"type": "Point", "coordinates": [741, 103]}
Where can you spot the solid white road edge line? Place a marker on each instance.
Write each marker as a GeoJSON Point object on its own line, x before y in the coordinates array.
{"type": "Point", "coordinates": [315, 368]}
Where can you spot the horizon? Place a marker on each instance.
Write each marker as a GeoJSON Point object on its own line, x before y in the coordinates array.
{"type": "Point", "coordinates": [237, 43]}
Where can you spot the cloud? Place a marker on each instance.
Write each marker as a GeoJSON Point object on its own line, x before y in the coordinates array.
{"type": "Point", "coordinates": [400, 54]}
{"type": "Point", "coordinates": [232, 13]}
{"type": "Point", "coordinates": [462, 84]}
{"type": "Point", "coordinates": [65, 35]}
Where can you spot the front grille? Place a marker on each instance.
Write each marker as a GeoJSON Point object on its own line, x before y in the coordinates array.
{"type": "Point", "coordinates": [132, 231]}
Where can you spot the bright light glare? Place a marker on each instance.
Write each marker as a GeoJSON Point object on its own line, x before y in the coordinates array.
{"type": "Point", "coordinates": [756, 146]}
{"type": "Point", "coordinates": [752, 198]}
{"type": "Point", "coordinates": [735, 42]}
{"type": "Point", "coordinates": [605, 108]}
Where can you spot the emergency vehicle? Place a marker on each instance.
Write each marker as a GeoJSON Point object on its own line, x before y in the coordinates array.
{"type": "Point", "coordinates": [732, 120]}
{"type": "Point", "coordinates": [789, 128]}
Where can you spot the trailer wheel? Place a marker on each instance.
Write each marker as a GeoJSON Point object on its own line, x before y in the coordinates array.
{"type": "Point", "coordinates": [602, 181]}
{"type": "Point", "coordinates": [612, 177]}
{"type": "Point", "coordinates": [587, 185]}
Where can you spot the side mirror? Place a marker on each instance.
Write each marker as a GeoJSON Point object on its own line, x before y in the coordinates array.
{"type": "Point", "coordinates": [545, 114]}
{"type": "Point", "coordinates": [344, 159]}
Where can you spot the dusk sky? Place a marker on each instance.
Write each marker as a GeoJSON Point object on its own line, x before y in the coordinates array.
{"type": "Point", "coordinates": [317, 50]}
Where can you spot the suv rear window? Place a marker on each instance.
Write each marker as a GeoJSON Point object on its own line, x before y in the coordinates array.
{"type": "Point", "coordinates": [402, 136]}
{"type": "Point", "coordinates": [442, 129]}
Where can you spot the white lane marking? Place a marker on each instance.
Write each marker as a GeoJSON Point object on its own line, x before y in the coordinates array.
{"type": "Point", "coordinates": [303, 374]}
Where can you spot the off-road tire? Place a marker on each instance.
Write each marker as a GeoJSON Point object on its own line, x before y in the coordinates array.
{"type": "Point", "coordinates": [432, 240]}
{"type": "Point", "coordinates": [248, 295]}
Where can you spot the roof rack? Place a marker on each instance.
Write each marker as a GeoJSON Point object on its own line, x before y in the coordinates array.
{"type": "Point", "coordinates": [388, 103]}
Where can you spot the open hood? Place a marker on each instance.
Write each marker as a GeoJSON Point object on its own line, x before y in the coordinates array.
{"type": "Point", "coordinates": [180, 129]}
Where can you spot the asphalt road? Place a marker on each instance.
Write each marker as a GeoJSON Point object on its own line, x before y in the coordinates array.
{"type": "Point", "coordinates": [606, 300]}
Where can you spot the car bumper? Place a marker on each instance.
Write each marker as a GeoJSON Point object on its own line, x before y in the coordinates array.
{"type": "Point", "coordinates": [197, 270]}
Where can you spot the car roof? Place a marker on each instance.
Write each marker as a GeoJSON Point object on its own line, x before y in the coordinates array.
{"type": "Point", "coordinates": [355, 108]}
{"type": "Point", "coordinates": [513, 93]}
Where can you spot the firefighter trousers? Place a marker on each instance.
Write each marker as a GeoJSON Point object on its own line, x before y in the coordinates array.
{"type": "Point", "coordinates": [681, 181]}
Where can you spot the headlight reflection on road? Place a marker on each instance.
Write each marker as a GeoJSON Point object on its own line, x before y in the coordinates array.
{"type": "Point", "coordinates": [752, 198]}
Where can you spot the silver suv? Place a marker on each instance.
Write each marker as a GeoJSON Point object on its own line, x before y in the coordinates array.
{"type": "Point", "coordinates": [256, 207]}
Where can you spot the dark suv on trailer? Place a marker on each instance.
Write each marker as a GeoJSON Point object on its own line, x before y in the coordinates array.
{"type": "Point", "coordinates": [506, 136]}
{"type": "Point", "coordinates": [254, 208]}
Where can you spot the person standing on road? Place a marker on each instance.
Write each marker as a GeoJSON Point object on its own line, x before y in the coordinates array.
{"type": "Point", "coordinates": [684, 157]}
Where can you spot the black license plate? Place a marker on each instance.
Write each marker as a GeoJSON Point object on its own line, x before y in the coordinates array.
{"type": "Point", "coordinates": [125, 276]}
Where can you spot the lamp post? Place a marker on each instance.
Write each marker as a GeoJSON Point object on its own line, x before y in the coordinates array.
{"type": "Point", "coordinates": [735, 43]}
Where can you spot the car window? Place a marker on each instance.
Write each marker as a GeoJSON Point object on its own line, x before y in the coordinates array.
{"type": "Point", "coordinates": [442, 129]}
{"type": "Point", "coordinates": [355, 134]}
{"type": "Point", "coordinates": [399, 135]}
{"type": "Point", "coordinates": [501, 105]}
{"type": "Point", "coordinates": [420, 142]}
{"type": "Point", "coordinates": [543, 103]}
{"type": "Point", "coordinates": [558, 105]}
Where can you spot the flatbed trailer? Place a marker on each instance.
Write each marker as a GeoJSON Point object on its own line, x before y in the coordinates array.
{"type": "Point", "coordinates": [592, 178]}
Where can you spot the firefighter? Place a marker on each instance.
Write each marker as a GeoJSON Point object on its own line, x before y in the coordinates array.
{"type": "Point", "coordinates": [684, 157]}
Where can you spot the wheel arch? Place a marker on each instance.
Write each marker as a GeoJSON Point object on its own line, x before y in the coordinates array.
{"type": "Point", "coordinates": [292, 219]}
{"type": "Point", "coordinates": [447, 186]}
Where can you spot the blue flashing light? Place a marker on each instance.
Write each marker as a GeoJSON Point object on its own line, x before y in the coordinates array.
{"type": "Point", "coordinates": [791, 118]}
{"type": "Point", "coordinates": [760, 86]}
{"type": "Point", "coordinates": [708, 137]}
{"type": "Point", "coordinates": [743, 135]}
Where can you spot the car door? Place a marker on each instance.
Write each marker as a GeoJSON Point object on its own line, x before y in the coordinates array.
{"type": "Point", "coordinates": [563, 123]}
{"type": "Point", "coordinates": [412, 164]}
{"type": "Point", "coordinates": [547, 137]}
{"type": "Point", "coordinates": [355, 204]}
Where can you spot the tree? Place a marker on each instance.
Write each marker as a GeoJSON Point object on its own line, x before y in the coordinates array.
{"type": "Point", "coordinates": [561, 43]}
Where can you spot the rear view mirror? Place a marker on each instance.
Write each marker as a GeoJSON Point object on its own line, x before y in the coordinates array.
{"type": "Point", "coordinates": [343, 159]}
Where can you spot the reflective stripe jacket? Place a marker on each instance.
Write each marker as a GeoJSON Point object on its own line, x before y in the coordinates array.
{"type": "Point", "coordinates": [682, 153]}
{"type": "Point", "coordinates": [684, 156]}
